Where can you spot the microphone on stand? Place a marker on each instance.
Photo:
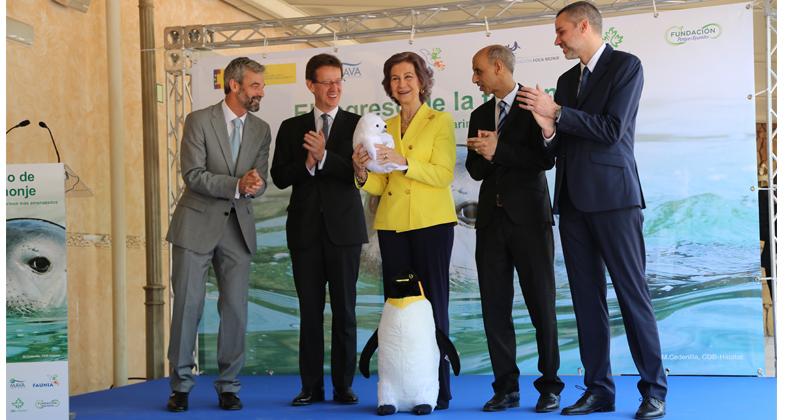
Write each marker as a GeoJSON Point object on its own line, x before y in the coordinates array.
{"type": "Point", "coordinates": [23, 123]}
{"type": "Point", "coordinates": [43, 125]}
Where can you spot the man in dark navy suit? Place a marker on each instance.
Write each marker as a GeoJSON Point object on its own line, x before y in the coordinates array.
{"type": "Point", "coordinates": [590, 126]}
{"type": "Point", "coordinates": [325, 229]}
{"type": "Point", "coordinates": [514, 229]}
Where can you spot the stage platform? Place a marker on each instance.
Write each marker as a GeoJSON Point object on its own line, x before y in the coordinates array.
{"type": "Point", "coordinates": [268, 397]}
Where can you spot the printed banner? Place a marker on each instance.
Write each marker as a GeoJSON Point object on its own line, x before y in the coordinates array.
{"type": "Point", "coordinates": [695, 148]}
{"type": "Point", "coordinates": [36, 285]}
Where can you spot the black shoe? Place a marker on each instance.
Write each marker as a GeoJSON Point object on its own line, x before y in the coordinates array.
{"type": "Point", "coordinates": [345, 396]}
{"type": "Point", "coordinates": [547, 402]}
{"type": "Point", "coordinates": [501, 401]}
{"type": "Point", "coordinates": [651, 408]}
{"type": "Point", "coordinates": [178, 401]}
{"type": "Point", "coordinates": [442, 405]}
{"type": "Point", "coordinates": [588, 403]}
{"type": "Point", "coordinates": [307, 397]}
{"type": "Point", "coordinates": [229, 401]}
{"type": "Point", "coordinates": [386, 410]}
{"type": "Point", "coordinates": [422, 409]}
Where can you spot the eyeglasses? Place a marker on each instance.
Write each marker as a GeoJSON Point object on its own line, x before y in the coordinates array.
{"type": "Point", "coordinates": [329, 83]}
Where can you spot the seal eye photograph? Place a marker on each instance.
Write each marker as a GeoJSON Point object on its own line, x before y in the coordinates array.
{"type": "Point", "coordinates": [467, 212]}
{"type": "Point", "coordinates": [40, 264]}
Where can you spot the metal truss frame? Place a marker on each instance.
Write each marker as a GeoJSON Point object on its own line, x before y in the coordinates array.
{"type": "Point", "coordinates": [382, 23]}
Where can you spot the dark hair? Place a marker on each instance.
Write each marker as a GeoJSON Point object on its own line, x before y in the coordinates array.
{"type": "Point", "coordinates": [237, 68]}
{"type": "Point", "coordinates": [321, 60]}
{"type": "Point", "coordinates": [422, 71]}
{"type": "Point", "coordinates": [584, 10]}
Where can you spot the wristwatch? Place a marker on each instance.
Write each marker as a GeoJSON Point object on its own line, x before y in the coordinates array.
{"type": "Point", "coordinates": [558, 113]}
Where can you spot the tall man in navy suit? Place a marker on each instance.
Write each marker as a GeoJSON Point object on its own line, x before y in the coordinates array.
{"type": "Point", "coordinates": [590, 126]}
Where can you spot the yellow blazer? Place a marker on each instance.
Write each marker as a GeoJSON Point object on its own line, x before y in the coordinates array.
{"type": "Point", "coordinates": [420, 197]}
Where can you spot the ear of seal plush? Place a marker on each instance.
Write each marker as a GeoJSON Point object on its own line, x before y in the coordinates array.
{"type": "Point", "coordinates": [409, 350]}
{"type": "Point", "coordinates": [35, 266]}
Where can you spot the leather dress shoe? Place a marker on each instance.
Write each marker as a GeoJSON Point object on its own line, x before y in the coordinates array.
{"type": "Point", "coordinates": [307, 397]}
{"type": "Point", "coordinates": [178, 401]}
{"type": "Point", "coordinates": [547, 402]}
{"type": "Point", "coordinates": [588, 403]}
{"type": "Point", "coordinates": [229, 401]}
{"type": "Point", "coordinates": [502, 401]}
{"type": "Point", "coordinates": [651, 408]}
{"type": "Point", "coordinates": [345, 396]}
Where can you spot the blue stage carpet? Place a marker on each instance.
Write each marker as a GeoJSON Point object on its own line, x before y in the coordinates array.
{"type": "Point", "coordinates": [268, 397]}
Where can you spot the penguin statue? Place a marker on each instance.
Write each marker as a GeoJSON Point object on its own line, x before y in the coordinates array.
{"type": "Point", "coordinates": [409, 351]}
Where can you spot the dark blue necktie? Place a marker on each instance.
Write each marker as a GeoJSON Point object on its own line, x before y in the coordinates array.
{"type": "Point", "coordinates": [584, 79]}
{"type": "Point", "coordinates": [503, 112]}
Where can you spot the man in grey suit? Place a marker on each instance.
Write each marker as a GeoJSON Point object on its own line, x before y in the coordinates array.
{"type": "Point", "coordinates": [224, 160]}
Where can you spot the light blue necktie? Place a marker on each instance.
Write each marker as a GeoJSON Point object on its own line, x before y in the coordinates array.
{"type": "Point", "coordinates": [584, 79]}
{"type": "Point", "coordinates": [234, 141]}
{"type": "Point", "coordinates": [503, 112]}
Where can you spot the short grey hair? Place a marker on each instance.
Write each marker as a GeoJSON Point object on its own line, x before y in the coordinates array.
{"type": "Point", "coordinates": [584, 10]}
{"type": "Point", "coordinates": [503, 54]}
{"type": "Point", "coordinates": [237, 68]}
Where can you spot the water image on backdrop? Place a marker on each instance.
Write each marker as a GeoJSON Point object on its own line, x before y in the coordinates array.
{"type": "Point", "coordinates": [696, 154]}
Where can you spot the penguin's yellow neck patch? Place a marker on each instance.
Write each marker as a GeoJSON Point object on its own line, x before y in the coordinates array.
{"type": "Point", "coordinates": [401, 303]}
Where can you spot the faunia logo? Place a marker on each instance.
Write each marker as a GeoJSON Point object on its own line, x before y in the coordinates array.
{"type": "Point", "coordinates": [678, 35]}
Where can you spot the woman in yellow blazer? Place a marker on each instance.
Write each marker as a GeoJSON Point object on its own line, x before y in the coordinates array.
{"type": "Point", "coordinates": [416, 214]}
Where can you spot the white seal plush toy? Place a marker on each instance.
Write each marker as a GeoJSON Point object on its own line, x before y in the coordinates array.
{"type": "Point", "coordinates": [409, 351]}
{"type": "Point", "coordinates": [370, 131]}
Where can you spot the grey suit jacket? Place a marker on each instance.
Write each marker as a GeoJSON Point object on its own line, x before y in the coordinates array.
{"type": "Point", "coordinates": [210, 180]}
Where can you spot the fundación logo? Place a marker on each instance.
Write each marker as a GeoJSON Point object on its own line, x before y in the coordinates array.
{"type": "Point", "coordinates": [14, 383]}
{"type": "Point", "coordinates": [678, 35]}
{"type": "Point", "coordinates": [613, 37]}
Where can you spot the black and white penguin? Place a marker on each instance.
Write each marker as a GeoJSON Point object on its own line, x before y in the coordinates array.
{"type": "Point", "coordinates": [409, 351]}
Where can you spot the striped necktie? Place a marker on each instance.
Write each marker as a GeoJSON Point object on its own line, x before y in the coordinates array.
{"type": "Point", "coordinates": [503, 112]}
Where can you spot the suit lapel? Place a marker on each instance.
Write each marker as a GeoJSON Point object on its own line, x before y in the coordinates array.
{"type": "Point", "coordinates": [600, 69]}
{"type": "Point", "coordinates": [248, 143]}
{"type": "Point", "coordinates": [420, 120]}
{"type": "Point", "coordinates": [220, 127]}
{"type": "Point", "coordinates": [572, 86]}
{"type": "Point", "coordinates": [337, 124]}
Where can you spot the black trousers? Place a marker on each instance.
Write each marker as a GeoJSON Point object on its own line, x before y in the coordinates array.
{"type": "Point", "coordinates": [614, 240]}
{"type": "Point", "coordinates": [427, 253]}
{"type": "Point", "coordinates": [313, 267]}
{"type": "Point", "coordinates": [501, 247]}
